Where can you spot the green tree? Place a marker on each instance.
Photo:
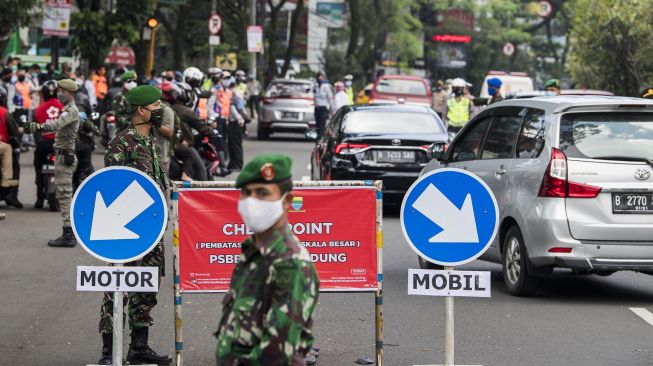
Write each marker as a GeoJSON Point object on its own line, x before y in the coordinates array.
{"type": "Point", "coordinates": [611, 44]}
{"type": "Point", "coordinates": [15, 13]}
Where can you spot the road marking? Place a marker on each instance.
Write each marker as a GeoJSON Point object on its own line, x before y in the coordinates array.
{"type": "Point", "coordinates": [646, 315]}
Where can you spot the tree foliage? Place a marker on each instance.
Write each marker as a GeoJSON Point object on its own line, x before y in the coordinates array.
{"type": "Point", "coordinates": [15, 13]}
{"type": "Point", "coordinates": [611, 44]}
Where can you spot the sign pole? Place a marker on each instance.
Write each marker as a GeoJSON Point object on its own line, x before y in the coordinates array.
{"type": "Point", "coordinates": [214, 9]}
{"type": "Point", "coordinates": [448, 328]}
{"type": "Point", "coordinates": [117, 327]}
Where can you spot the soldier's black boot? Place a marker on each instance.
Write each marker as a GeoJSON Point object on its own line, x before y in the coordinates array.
{"type": "Point", "coordinates": [12, 198]}
{"type": "Point", "coordinates": [107, 348]}
{"type": "Point", "coordinates": [140, 353]}
{"type": "Point", "coordinates": [66, 240]}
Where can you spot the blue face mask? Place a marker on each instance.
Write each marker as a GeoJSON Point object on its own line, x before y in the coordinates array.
{"type": "Point", "coordinates": [550, 93]}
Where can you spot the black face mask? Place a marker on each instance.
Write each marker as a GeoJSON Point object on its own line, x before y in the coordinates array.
{"type": "Point", "coordinates": [156, 116]}
{"type": "Point", "coordinates": [21, 78]}
{"type": "Point", "coordinates": [215, 79]}
{"type": "Point", "coordinates": [169, 78]}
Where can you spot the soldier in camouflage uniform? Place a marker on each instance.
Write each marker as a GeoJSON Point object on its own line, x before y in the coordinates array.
{"type": "Point", "coordinates": [64, 146]}
{"type": "Point", "coordinates": [119, 104]}
{"type": "Point", "coordinates": [135, 147]}
{"type": "Point", "coordinates": [267, 313]}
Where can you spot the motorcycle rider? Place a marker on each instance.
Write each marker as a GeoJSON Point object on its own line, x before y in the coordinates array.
{"type": "Point", "coordinates": [164, 135]}
{"type": "Point", "coordinates": [458, 108]}
{"type": "Point", "coordinates": [49, 110]}
{"type": "Point", "coordinates": [8, 143]}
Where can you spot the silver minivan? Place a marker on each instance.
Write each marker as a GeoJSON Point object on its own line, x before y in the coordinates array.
{"type": "Point", "coordinates": [572, 178]}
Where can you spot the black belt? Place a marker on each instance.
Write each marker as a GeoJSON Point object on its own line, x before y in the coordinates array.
{"type": "Point", "coordinates": [63, 152]}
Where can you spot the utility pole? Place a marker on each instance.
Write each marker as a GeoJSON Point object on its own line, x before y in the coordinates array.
{"type": "Point", "coordinates": [252, 21]}
{"type": "Point", "coordinates": [214, 9]}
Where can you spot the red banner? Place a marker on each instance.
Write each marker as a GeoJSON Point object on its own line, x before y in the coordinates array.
{"type": "Point", "coordinates": [336, 224]}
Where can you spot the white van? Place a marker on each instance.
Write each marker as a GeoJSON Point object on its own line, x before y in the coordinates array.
{"type": "Point", "coordinates": [513, 82]}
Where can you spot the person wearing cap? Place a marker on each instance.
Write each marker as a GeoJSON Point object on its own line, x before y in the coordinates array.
{"type": "Point", "coordinates": [494, 89]}
{"type": "Point", "coordinates": [267, 312]}
{"type": "Point", "coordinates": [552, 87]}
{"type": "Point", "coordinates": [66, 162]}
{"type": "Point", "coordinates": [119, 104]}
{"type": "Point", "coordinates": [134, 147]}
{"type": "Point", "coordinates": [348, 80]}
{"type": "Point", "coordinates": [647, 93]}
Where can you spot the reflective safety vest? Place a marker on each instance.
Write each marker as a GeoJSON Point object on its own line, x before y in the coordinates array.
{"type": "Point", "coordinates": [22, 88]}
{"type": "Point", "coordinates": [458, 111]}
{"type": "Point", "coordinates": [350, 95]}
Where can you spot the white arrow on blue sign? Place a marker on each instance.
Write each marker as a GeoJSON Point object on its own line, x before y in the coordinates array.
{"type": "Point", "coordinates": [449, 216]}
{"type": "Point", "coordinates": [118, 214]}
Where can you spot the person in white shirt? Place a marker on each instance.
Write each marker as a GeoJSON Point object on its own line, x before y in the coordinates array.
{"type": "Point", "coordinates": [323, 100]}
{"type": "Point", "coordinates": [340, 99]}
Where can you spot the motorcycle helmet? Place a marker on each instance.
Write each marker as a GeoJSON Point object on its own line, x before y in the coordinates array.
{"type": "Point", "coordinates": [186, 95]}
{"type": "Point", "coordinates": [458, 86]}
{"type": "Point", "coordinates": [49, 89]}
{"type": "Point", "coordinates": [193, 76]}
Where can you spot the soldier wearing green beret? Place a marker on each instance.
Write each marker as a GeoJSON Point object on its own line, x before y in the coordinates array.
{"type": "Point", "coordinates": [135, 147]}
{"type": "Point", "coordinates": [66, 162]}
{"type": "Point", "coordinates": [267, 313]}
{"type": "Point", "coordinates": [552, 87]}
{"type": "Point", "coordinates": [119, 104]}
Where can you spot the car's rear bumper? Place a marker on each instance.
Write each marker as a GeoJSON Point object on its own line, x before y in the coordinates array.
{"type": "Point", "coordinates": [395, 183]}
{"type": "Point", "coordinates": [604, 264]}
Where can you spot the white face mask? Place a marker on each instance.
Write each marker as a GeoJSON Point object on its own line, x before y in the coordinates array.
{"type": "Point", "coordinates": [260, 215]}
{"type": "Point", "coordinates": [130, 85]}
{"type": "Point", "coordinates": [348, 83]}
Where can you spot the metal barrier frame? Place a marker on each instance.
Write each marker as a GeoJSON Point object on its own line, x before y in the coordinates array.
{"type": "Point", "coordinates": [378, 293]}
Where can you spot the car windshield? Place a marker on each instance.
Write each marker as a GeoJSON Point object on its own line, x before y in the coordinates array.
{"type": "Point", "coordinates": [382, 122]}
{"type": "Point", "coordinates": [613, 136]}
{"type": "Point", "coordinates": [289, 90]}
{"type": "Point", "coordinates": [401, 86]}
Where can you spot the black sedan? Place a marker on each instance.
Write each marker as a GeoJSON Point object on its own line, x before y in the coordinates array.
{"type": "Point", "coordinates": [390, 142]}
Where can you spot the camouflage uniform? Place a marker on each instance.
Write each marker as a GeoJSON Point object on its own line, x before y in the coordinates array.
{"type": "Point", "coordinates": [64, 144]}
{"type": "Point", "coordinates": [267, 313]}
{"type": "Point", "coordinates": [122, 110]}
{"type": "Point", "coordinates": [131, 149]}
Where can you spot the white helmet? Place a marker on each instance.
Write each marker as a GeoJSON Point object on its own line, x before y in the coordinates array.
{"type": "Point", "coordinates": [193, 76]}
{"type": "Point", "coordinates": [458, 83]}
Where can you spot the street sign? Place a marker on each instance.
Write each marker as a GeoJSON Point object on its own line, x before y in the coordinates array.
{"type": "Point", "coordinates": [214, 40]}
{"type": "Point", "coordinates": [118, 214]}
{"type": "Point", "coordinates": [109, 279]}
{"type": "Point", "coordinates": [508, 49]}
{"type": "Point", "coordinates": [545, 9]}
{"type": "Point", "coordinates": [449, 216]}
{"type": "Point", "coordinates": [215, 24]}
{"type": "Point", "coordinates": [56, 17]}
{"type": "Point", "coordinates": [255, 38]}
{"type": "Point", "coordinates": [448, 283]}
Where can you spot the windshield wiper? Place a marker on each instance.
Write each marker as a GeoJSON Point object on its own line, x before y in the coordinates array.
{"type": "Point", "coordinates": [625, 158]}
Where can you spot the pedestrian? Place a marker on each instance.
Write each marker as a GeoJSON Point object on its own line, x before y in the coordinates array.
{"type": "Point", "coordinates": [439, 99]}
{"type": "Point", "coordinates": [253, 95]}
{"type": "Point", "coordinates": [66, 162]}
{"type": "Point", "coordinates": [349, 89]}
{"type": "Point", "coordinates": [134, 147]}
{"type": "Point", "coordinates": [458, 108]}
{"type": "Point", "coordinates": [235, 130]}
{"type": "Point", "coordinates": [101, 87]}
{"type": "Point", "coordinates": [8, 133]}
{"type": "Point", "coordinates": [49, 111]}
{"type": "Point", "coordinates": [494, 89]}
{"type": "Point", "coordinates": [552, 87]}
{"type": "Point", "coordinates": [267, 313]}
{"type": "Point", "coordinates": [340, 99]}
{"type": "Point", "coordinates": [323, 97]}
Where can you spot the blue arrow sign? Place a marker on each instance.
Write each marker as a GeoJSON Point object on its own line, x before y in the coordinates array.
{"type": "Point", "coordinates": [449, 216]}
{"type": "Point", "coordinates": [118, 214]}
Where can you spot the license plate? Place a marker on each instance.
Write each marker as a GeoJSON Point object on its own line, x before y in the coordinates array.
{"type": "Point", "coordinates": [47, 168]}
{"type": "Point", "coordinates": [395, 156]}
{"type": "Point", "coordinates": [290, 115]}
{"type": "Point", "coordinates": [635, 203]}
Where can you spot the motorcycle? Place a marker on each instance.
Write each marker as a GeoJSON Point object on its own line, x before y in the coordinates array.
{"type": "Point", "coordinates": [84, 147]}
{"type": "Point", "coordinates": [48, 186]}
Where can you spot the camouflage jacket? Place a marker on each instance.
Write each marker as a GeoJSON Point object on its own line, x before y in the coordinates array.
{"type": "Point", "coordinates": [129, 148]}
{"type": "Point", "coordinates": [65, 126]}
{"type": "Point", "coordinates": [267, 313]}
{"type": "Point", "coordinates": [122, 110]}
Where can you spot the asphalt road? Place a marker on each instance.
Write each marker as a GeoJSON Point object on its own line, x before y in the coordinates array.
{"type": "Point", "coordinates": [574, 320]}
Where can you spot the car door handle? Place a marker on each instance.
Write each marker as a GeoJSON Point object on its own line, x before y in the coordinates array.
{"type": "Point", "coordinates": [500, 171]}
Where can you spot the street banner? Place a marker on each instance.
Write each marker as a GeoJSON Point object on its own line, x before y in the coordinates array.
{"type": "Point", "coordinates": [255, 38]}
{"type": "Point", "coordinates": [337, 225]}
{"type": "Point", "coordinates": [56, 17]}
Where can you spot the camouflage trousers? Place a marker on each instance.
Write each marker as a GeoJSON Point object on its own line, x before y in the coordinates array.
{"type": "Point", "coordinates": [63, 178]}
{"type": "Point", "coordinates": [139, 304]}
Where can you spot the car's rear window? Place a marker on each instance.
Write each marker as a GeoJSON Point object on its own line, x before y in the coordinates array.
{"type": "Point", "coordinates": [378, 122]}
{"type": "Point", "coordinates": [289, 90]}
{"type": "Point", "coordinates": [401, 86]}
{"type": "Point", "coordinates": [611, 135]}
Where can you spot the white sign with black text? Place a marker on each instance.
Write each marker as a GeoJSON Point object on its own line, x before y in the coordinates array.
{"type": "Point", "coordinates": [118, 278]}
{"type": "Point", "coordinates": [448, 283]}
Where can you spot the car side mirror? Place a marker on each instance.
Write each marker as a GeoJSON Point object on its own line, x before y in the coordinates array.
{"type": "Point", "coordinates": [311, 134]}
{"type": "Point", "coordinates": [437, 151]}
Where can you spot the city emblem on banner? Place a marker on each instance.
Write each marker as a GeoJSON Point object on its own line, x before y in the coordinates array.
{"type": "Point", "coordinates": [297, 204]}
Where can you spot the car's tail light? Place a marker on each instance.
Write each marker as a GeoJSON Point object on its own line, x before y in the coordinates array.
{"type": "Point", "coordinates": [52, 157]}
{"type": "Point", "coordinates": [555, 183]}
{"type": "Point", "coordinates": [348, 149]}
{"type": "Point", "coordinates": [111, 118]}
{"type": "Point", "coordinates": [267, 100]}
{"type": "Point", "coordinates": [560, 250]}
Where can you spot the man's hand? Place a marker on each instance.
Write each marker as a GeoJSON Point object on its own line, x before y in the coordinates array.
{"type": "Point", "coordinates": [241, 121]}
{"type": "Point", "coordinates": [32, 127]}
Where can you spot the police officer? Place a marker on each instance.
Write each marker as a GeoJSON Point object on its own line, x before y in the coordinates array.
{"type": "Point", "coordinates": [349, 89]}
{"type": "Point", "coordinates": [267, 313]}
{"type": "Point", "coordinates": [494, 89]}
{"type": "Point", "coordinates": [64, 146]}
{"type": "Point", "coordinates": [459, 107]}
{"type": "Point", "coordinates": [135, 147]}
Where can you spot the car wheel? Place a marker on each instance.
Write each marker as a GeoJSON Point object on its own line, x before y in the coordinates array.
{"type": "Point", "coordinates": [424, 264]}
{"type": "Point", "coordinates": [515, 265]}
{"type": "Point", "coordinates": [262, 133]}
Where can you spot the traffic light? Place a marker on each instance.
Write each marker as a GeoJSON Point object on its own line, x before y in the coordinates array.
{"type": "Point", "coordinates": [152, 22]}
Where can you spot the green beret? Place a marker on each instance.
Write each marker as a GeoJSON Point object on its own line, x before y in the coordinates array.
{"type": "Point", "coordinates": [128, 75]}
{"type": "Point", "coordinates": [143, 95]}
{"type": "Point", "coordinates": [553, 83]}
{"type": "Point", "coordinates": [68, 85]}
{"type": "Point", "coordinates": [268, 168]}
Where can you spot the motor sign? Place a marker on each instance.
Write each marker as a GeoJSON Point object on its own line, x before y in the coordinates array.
{"type": "Point", "coordinates": [108, 279]}
{"type": "Point", "coordinates": [449, 216]}
{"type": "Point", "coordinates": [118, 214]}
{"type": "Point", "coordinates": [215, 24]}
